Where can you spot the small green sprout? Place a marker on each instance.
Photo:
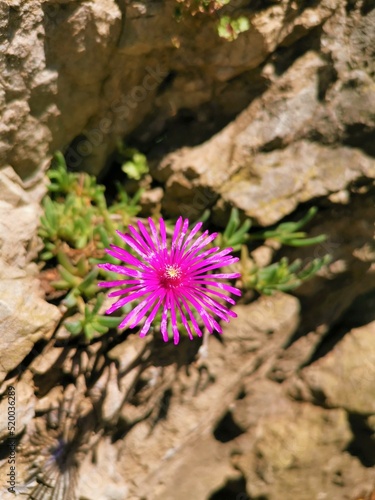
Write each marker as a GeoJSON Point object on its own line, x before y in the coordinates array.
{"type": "Point", "coordinates": [227, 27]}
{"type": "Point", "coordinates": [76, 227]}
{"type": "Point", "coordinates": [62, 181]}
{"type": "Point", "coordinates": [230, 29]}
{"type": "Point", "coordinates": [81, 184]}
{"type": "Point", "coordinates": [134, 163]}
{"type": "Point", "coordinates": [76, 211]}
{"type": "Point", "coordinates": [70, 220]}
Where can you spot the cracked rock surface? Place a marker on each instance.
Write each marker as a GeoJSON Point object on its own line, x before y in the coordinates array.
{"type": "Point", "coordinates": [282, 404]}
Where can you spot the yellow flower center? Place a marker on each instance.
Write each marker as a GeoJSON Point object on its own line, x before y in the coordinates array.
{"type": "Point", "coordinates": [173, 271]}
{"type": "Point", "coordinates": [171, 276]}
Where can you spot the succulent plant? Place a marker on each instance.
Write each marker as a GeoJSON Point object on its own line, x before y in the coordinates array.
{"type": "Point", "coordinates": [287, 233]}
{"type": "Point", "coordinates": [280, 275]}
{"type": "Point", "coordinates": [134, 163]}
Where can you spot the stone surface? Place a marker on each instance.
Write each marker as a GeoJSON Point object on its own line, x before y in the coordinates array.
{"type": "Point", "coordinates": [25, 318]}
{"type": "Point", "coordinates": [345, 377]}
{"type": "Point", "coordinates": [124, 52]}
{"type": "Point", "coordinates": [326, 96]}
{"type": "Point", "coordinates": [264, 162]}
{"type": "Point", "coordinates": [266, 318]}
{"type": "Point", "coordinates": [295, 450]}
{"type": "Point", "coordinates": [19, 217]}
{"type": "Point", "coordinates": [38, 108]}
{"type": "Point", "coordinates": [280, 180]}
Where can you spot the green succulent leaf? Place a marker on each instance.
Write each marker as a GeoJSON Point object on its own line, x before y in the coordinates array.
{"type": "Point", "coordinates": [110, 322]}
{"type": "Point", "coordinates": [288, 233]}
{"type": "Point", "coordinates": [89, 331]}
{"type": "Point", "coordinates": [74, 327]}
{"type": "Point", "coordinates": [235, 234]}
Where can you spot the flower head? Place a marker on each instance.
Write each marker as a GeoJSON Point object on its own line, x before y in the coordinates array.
{"type": "Point", "coordinates": [175, 279]}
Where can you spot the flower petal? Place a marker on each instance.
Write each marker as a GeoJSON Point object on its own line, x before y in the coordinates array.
{"type": "Point", "coordinates": [163, 326]}
{"type": "Point", "coordinates": [146, 236]}
{"type": "Point", "coordinates": [126, 300]}
{"type": "Point", "coordinates": [154, 232]}
{"type": "Point", "coordinates": [132, 243]}
{"type": "Point", "coordinates": [176, 335]}
{"type": "Point", "coordinates": [150, 318]}
{"type": "Point", "coordinates": [121, 270]}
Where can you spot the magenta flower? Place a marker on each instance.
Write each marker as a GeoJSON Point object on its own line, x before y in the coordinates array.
{"type": "Point", "coordinates": [175, 279]}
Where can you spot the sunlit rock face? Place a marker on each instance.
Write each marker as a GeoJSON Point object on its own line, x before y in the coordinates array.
{"type": "Point", "coordinates": [80, 75]}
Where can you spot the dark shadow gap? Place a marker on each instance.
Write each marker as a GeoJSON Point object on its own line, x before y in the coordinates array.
{"type": "Point", "coordinates": [234, 489]}
{"type": "Point", "coordinates": [227, 429]}
{"type": "Point", "coordinates": [362, 445]}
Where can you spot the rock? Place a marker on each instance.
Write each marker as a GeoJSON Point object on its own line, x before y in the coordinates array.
{"type": "Point", "coordinates": [19, 217]}
{"type": "Point", "coordinates": [25, 317]}
{"type": "Point", "coordinates": [265, 400]}
{"type": "Point", "coordinates": [185, 420]}
{"type": "Point", "coordinates": [115, 393]}
{"type": "Point", "coordinates": [125, 52]}
{"type": "Point", "coordinates": [351, 95]}
{"type": "Point", "coordinates": [261, 164]}
{"type": "Point", "coordinates": [18, 233]}
{"type": "Point", "coordinates": [195, 73]}
{"type": "Point", "coordinates": [91, 484]}
{"type": "Point", "coordinates": [151, 201]}
{"type": "Point", "coordinates": [262, 255]}
{"type": "Point", "coordinates": [311, 428]}
{"type": "Point", "coordinates": [208, 460]}
{"type": "Point", "coordinates": [16, 192]}
{"type": "Point", "coordinates": [43, 363]}
{"type": "Point", "coordinates": [267, 318]}
{"type": "Point", "coordinates": [280, 180]}
{"type": "Point", "coordinates": [345, 378]}
{"type": "Point", "coordinates": [126, 353]}
{"type": "Point", "coordinates": [313, 99]}
{"type": "Point", "coordinates": [39, 111]}
{"type": "Point", "coordinates": [293, 449]}
{"type": "Point", "coordinates": [51, 400]}
{"type": "Point", "coordinates": [294, 97]}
